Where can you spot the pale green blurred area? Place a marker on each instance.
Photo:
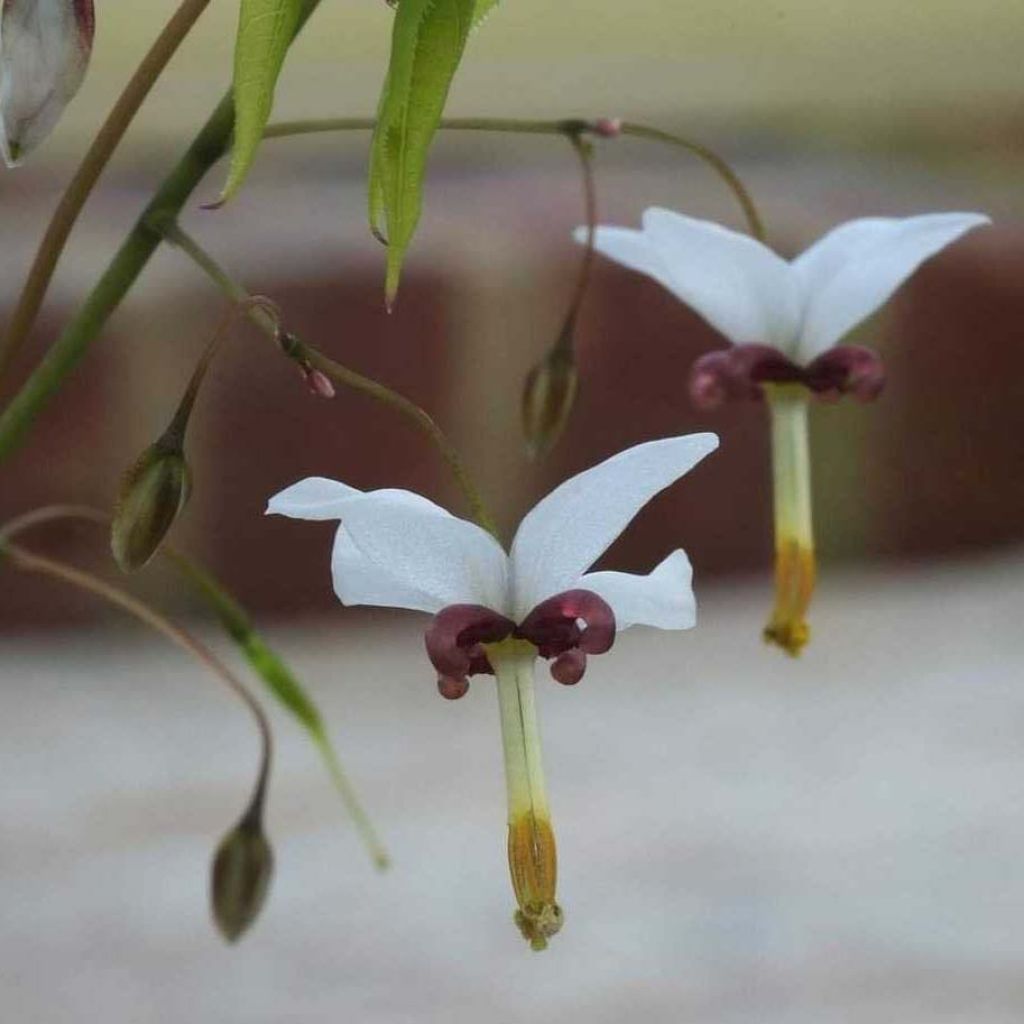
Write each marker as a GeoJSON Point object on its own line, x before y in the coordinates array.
{"type": "Point", "coordinates": [796, 63]}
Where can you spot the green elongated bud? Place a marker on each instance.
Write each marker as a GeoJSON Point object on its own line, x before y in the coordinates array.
{"type": "Point", "coordinates": [152, 494]}
{"type": "Point", "coordinates": [240, 877]}
{"type": "Point", "coordinates": [548, 397]}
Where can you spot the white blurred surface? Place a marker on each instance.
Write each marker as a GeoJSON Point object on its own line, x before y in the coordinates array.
{"type": "Point", "coordinates": [742, 837]}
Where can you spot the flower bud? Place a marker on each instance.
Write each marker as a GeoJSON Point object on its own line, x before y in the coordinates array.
{"type": "Point", "coordinates": [44, 52]}
{"type": "Point", "coordinates": [548, 397]}
{"type": "Point", "coordinates": [152, 494]}
{"type": "Point", "coordinates": [240, 877]}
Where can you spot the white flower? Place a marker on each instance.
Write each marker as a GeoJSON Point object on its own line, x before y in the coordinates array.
{"type": "Point", "coordinates": [753, 296]}
{"type": "Point", "coordinates": [44, 52]}
{"type": "Point", "coordinates": [398, 549]}
{"type": "Point", "coordinates": [495, 612]}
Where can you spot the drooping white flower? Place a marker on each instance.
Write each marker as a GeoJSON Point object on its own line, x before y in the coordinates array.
{"type": "Point", "coordinates": [752, 295]}
{"type": "Point", "coordinates": [785, 320]}
{"type": "Point", "coordinates": [398, 549]}
{"type": "Point", "coordinates": [44, 52]}
{"type": "Point", "coordinates": [495, 612]}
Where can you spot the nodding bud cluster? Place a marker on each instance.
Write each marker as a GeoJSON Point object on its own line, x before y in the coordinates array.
{"type": "Point", "coordinates": [564, 628]}
{"type": "Point", "coordinates": [548, 397]}
{"type": "Point", "coordinates": [739, 373]}
{"type": "Point", "coordinates": [153, 492]}
{"type": "Point", "coordinates": [45, 47]}
{"type": "Point", "coordinates": [240, 877]}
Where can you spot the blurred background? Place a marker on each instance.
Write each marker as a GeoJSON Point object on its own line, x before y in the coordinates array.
{"type": "Point", "coordinates": [743, 837]}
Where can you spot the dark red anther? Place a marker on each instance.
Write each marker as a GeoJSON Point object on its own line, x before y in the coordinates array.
{"type": "Point", "coordinates": [452, 687]}
{"type": "Point", "coordinates": [455, 636]}
{"type": "Point", "coordinates": [553, 626]}
{"type": "Point", "coordinates": [568, 667]}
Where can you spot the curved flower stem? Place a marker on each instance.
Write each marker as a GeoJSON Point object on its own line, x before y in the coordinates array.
{"type": "Point", "coordinates": [29, 561]}
{"type": "Point", "coordinates": [92, 166]}
{"type": "Point", "coordinates": [237, 624]}
{"type": "Point", "coordinates": [583, 150]}
{"type": "Point", "coordinates": [532, 857]}
{"type": "Point", "coordinates": [305, 355]}
{"type": "Point", "coordinates": [129, 261]}
{"type": "Point", "coordinates": [208, 147]}
{"type": "Point", "coordinates": [565, 126]}
{"type": "Point", "coordinates": [794, 534]}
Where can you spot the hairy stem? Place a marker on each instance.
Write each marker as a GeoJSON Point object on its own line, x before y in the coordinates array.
{"type": "Point", "coordinates": [306, 355]}
{"type": "Point", "coordinates": [89, 170]}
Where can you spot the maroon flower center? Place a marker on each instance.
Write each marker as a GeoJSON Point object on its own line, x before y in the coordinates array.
{"type": "Point", "coordinates": [565, 628]}
{"type": "Point", "coordinates": [739, 373]}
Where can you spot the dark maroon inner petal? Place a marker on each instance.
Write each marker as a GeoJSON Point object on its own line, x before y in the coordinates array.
{"type": "Point", "coordinates": [568, 667]}
{"type": "Point", "coordinates": [738, 373]}
{"type": "Point", "coordinates": [553, 626]}
{"type": "Point", "coordinates": [847, 370]}
{"type": "Point", "coordinates": [455, 636]}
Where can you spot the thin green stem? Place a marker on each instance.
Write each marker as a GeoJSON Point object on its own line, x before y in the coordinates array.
{"type": "Point", "coordinates": [208, 147]}
{"type": "Point", "coordinates": [128, 263]}
{"type": "Point", "coordinates": [583, 150]}
{"type": "Point", "coordinates": [29, 561]}
{"type": "Point", "coordinates": [306, 355]}
{"type": "Point", "coordinates": [266, 664]}
{"type": "Point", "coordinates": [565, 126]}
{"type": "Point", "coordinates": [89, 170]}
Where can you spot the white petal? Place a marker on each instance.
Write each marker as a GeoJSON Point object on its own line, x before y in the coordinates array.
{"type": "Point", "coordinates": [742, 288]}
{"type": "Point", "coordinates": [570, 529]}
{"type": "Point", "coordinates": [631, 248]}
{"type": "Point", "coordinates": [315, 498]}
{"type": "Point", "coordinates": [855, 268]}
{"type": "Point", "coordinates": [664, 598]}
{"type": "Point", "coordinates": [357, 580]}
{"type": "Point", "coordinates": [418, 545]}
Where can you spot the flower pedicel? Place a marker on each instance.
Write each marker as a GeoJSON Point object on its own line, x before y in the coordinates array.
{"type": "Point", "coordinates": [785, 321]}
{"type": "Point", "coordinates": [495, 613]}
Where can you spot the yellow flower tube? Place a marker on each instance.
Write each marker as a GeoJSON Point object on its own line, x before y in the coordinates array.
{"type": "Point", "coordinates": [532, 858]}
{"type": "Point", "coordinates": [794, 532]}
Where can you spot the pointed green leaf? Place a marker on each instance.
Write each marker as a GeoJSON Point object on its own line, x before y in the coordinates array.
{"type": "Point", "coordinates": [427, 43]}
{"type": "Point", "coordinates": [265, 31]}
{"type": "Point", "coordinates": [265, 662]}
{"type": "Point", "coordinates": [483, 8]}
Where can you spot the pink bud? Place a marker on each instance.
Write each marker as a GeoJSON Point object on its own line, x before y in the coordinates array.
{"type": "Point", "coordinates": [44, 52]}
{"type": "Point", "coordinates": [608, 127]}
{"type": "Point", "coordinates": [320, 384]}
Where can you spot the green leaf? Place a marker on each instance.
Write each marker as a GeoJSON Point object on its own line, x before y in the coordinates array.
{"type": "Point", "coordinates": [265, 31]}
{"type": "Point", "coordinates": [282, 684]}
{"type": "Point", "coordinates": [427, 43]}
{"type": "Point", "coordinates": [483, 8]}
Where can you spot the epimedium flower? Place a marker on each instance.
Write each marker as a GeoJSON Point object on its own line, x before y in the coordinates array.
{"type": "Point", "coordinates": [494, 613]}
{"type": "Point", "coordinates": [786, 321]}
{"type": "Point", "coordinates": [44, 52]}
